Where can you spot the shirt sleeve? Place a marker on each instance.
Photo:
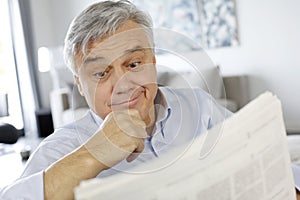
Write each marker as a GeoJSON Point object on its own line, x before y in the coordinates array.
{"type": "Point", "coordinates": [30, 187]}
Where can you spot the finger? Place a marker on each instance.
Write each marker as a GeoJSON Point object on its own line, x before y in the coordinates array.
{"type": "Point", "coordinates": [132, 157]}
{"type": "Point", "coordinates": [136, 152]}
{"type": "Point", "coordinates": [132, 126]}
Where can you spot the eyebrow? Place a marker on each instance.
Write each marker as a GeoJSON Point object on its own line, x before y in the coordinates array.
{"type": "Point", "coordinates": [126, 52]}
{"type": "Point", "coordinates": [134, 49]}
{"type": "Point", "coordinates": [92, 59]}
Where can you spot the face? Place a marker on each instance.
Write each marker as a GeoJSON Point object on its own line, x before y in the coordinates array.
{"type": "Point", "coordinates": [119, 73]}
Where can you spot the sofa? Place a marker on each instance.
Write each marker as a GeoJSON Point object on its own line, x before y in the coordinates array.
{"type": "Point", "coordinates": [173, 70]}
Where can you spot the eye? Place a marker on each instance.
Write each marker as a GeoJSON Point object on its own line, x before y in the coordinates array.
{"type": "Point", "coordinates": [134, 65]}
{"type": "Point", "coordinates": [103, 74]}
{"type": "Point", "coordinates": [100, 75]}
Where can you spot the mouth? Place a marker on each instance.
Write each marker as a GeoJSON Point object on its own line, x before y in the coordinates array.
{"type": "Point", "coordinates": [131, 103]}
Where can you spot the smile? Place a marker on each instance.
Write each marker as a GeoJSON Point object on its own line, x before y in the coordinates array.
{"type": "Point", "coordinates": [128, 103]}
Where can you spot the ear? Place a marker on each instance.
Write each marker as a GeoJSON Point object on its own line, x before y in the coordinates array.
{"type": "Point", "coordinates": [79, 86]}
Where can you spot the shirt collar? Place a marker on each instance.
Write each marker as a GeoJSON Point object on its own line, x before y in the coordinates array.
{"type": "Point", "coordinates": [96, 118]}
{"type": "Point", "coordinates": [162, 112]}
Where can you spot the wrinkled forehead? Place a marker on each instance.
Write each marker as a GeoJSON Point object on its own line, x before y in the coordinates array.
{"type": "Point", "coordinates": [114, 46]}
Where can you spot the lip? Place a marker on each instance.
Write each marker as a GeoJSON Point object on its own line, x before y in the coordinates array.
{"type": "Point", "coordinates": [128, 103]}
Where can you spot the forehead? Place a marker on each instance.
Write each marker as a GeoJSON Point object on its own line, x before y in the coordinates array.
{"type": "Point", "coordinates": [119, 43]}
{"type": "Point", "coordinates": [126, 37]}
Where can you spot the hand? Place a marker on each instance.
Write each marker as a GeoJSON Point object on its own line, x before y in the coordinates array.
{"type": "Point", "coordinates": [121, 135]}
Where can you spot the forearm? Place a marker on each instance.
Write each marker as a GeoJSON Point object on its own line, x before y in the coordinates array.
{"type": "Point", "coordinates": [63, 176]}
{"type": "Point", "coordinates": [110, 145]}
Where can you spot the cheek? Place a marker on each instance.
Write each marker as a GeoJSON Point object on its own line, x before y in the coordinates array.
{"type": "Point", "coordinates": [146, 75]}
{"type": "Point", "coordinates": [146, 108]}
{"type": "Point", "coordinates": [152, 91]}
{"type": "Point", "coordinates": [101, 100]}
{"type": "Point", "coordinates": [86, 89]}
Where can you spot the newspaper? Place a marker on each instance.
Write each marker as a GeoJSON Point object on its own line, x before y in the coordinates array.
{"type": "Point", "coordinates": [250, 160]}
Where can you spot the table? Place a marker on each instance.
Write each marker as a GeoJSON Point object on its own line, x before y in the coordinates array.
{"type": "Point", "coordinates": [11, 163]}
{"type": "Point", "coordinates": [11, 167]}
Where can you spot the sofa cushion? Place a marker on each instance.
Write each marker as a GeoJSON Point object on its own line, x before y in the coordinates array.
{"type": "Point", "coordinates": [208, 79]}
{"type": "Point", "coordinates": [294, 148]}
{"type": "Point", "coordinates": [229, 104]}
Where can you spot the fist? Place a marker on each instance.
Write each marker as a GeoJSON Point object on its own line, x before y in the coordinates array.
{"type": "Point", "coordinates": [121, 136]}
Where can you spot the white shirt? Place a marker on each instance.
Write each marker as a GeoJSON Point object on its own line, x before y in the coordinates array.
{"type": "Point", "coordinates": [182, 114]}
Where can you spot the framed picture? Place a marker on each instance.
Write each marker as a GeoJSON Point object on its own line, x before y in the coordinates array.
{"type": "Point", "coordinates": [208, 23]}
{"type": "Point", "coordinates": [219, 24]}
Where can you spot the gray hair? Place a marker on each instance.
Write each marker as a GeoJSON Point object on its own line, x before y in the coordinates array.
{"type": "Point", "coordinates": [100, 19]}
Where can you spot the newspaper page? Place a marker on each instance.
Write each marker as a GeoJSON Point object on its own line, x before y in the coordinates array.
{"type": "Point", "coordinates": [250, 160]}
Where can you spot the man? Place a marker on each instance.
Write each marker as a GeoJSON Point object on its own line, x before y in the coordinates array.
{"type": "Point", "coordinates": [109, 48]}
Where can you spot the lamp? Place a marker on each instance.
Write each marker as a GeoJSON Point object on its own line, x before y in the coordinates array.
{"type": "Point", "coordinates": [44, 59]}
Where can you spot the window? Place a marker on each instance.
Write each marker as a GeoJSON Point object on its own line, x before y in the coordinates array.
{"type": "Point", "coordinates": [8, 76]}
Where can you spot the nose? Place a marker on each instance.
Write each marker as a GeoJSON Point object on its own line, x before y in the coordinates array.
{"type": "Point", "coordinates": [122, 81]}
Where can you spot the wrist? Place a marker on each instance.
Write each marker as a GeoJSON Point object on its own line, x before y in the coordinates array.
{"type": "Point", "coordinates": [89, 161]}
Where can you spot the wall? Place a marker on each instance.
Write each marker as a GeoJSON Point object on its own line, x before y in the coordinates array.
{"type": "Point", "coordinates": [43, 36]}
{"type": "Point", "coordinates": [50, 22]}
{"type": "Point", "coordinates": [269, 33]}
{"type": "Point", "coordinates": [269, 52]}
